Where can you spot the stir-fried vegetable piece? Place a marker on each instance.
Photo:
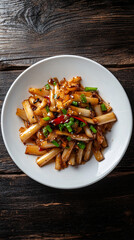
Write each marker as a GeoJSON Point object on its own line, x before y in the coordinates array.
{"type": "Point", "coordinates": [49, 128]}
{"type": "Point", "coordinates": [90, 89]}
{"type": "Point", "coordinates": [93, 129]}
{"type": "Point", "coordinates": [47, 109]}
{"type": "Point", "coordinates": [55, 143]}
{"type": "Point", "coordinates": [103, 107]}
{"type": "Point", "coordinates": [64, 111]}
{"type": "Point", "coordinates": [58, 120]}
{"type": "Point", "coordinates": [80, 119]}
{"type": "Point", "coordinates": [75, 103]}
{"type": "Point", "coordinates": [45, 132]}
{"type": "Point", "coordinates": [81, 145]}
{"type": "Point", "coordinates": [47, 86]}
{"type": "Point", "coordinates": [83, 98]}
{"type": "Point", "coordinates": [68, 126]}
{"type": "Point", "coordinates": [46, 118]}
{"type": "Point", "coordinates": [82, 124]}
{"type": "Point", "coordinates": [61, 126]}
{"type": "Point", "coordinates": [69, 138]}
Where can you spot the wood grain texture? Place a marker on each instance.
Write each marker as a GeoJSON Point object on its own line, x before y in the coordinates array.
{"type": "Point", "coordinates": [102, 211]}
{"type": "Point", "coordinates": [32, 30]}
{"type": "Point", "coordinates": [125, 76]}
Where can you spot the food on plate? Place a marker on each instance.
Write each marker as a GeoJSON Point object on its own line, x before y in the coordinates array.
{"type": "Point", "coordinates": [65, 122]}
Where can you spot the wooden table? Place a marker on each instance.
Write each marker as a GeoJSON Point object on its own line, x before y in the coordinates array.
{"type": "Point", "coordinates": [103, 31]}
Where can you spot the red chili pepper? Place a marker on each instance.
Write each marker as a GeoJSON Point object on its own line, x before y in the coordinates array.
{"type": "Point", "coordinates": [58, 120]}
{"type": "Point", "coordinates": [48, 100]}
{"type": "Point", "coordinates": [41, 149]}
{"type": "Point", "coordinates": [78, 118]}
{"type": "Point", "coordinates": [47, 97]}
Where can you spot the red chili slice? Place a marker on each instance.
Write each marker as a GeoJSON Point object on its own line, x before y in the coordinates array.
{"type": "Point", "coordinates": [58, 120]}
{"type": "Point", "coordinates": [41, 149]}
{"type": "Point", "coordinates": [78, 118]}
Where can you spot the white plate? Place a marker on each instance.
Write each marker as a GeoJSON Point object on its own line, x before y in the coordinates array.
{"type": "Point", "coordinates": [93, 74]}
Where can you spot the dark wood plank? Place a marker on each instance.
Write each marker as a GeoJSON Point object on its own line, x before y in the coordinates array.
{"type": "Point", "coordinates": [6, 163]}
{"type": "Point", "coordinates": [32, 30]}
{"type": "Point", "coordinates": [18, 190]}
{"type": "Point", "coordinates": [102, 211]}
{"type": "Point", "coordinates": [125, 76]}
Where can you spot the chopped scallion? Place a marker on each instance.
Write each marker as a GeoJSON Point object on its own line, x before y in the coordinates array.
{"type": "Point", "coordinates": [103, 107]}
{"type": "Point", "coordinates": [47, 109]}
{"type": "Point", "coordinates": [68, 126]}
{"type": "Point", "coordinates": [81, 145]}
{"type": "Point", "coordinates": [46, 118]}
{"type": "Point", "coordinates": [71, 119]}
{"type": "Point", "coordinates": [70, 123]}
{"type": "Point", "coordinates": [69, 138]}
{"type": "Point", "coordinates": [49, 128]}
{"type": "Point", "coordinates": [45, 132]}
{"type": "Point", "coordinates": [75, 103]}
{"type": "Point", "coordinates": [40, 89]}
{"type": "Point", "coordinates": [90, 89]}
{"type": "Point", "coordinates": [83, 98]}
{"type": "Point", "coordinates": [55, 143]}
{"type": "Point", "coordinates": [69, 129]}
{"type": "Point", "coordinates": [54, 83]}
{"type": "Point", "coordinates": [64, 111]}
{"type": "Point", "coordinates": [82, 124]}
{"type": "Point", "coordinates": [61, 126]}
{"type": "Point", "coordinates": [93, 129]}
{"type": "Point", "coordinates": [47, 86]}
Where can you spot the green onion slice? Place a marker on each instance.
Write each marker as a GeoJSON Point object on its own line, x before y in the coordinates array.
{"type": "Point", "coordinates": [83, 98]}
{"type": "Point", "coordinates": [69, 138]}
{"type": "Point", "coordinates": [49, 128]}
{"type": "Point", "coordinates": [103, 107]}
{"type": "Point", "coordinates": [69, 124]}
{"type": "Point", "coordinates": [75, 103]}
{"type": "Point", "coordinates": [55, 143]}
{"type": "Point", "coordinates": [45, 132]}
{"type": "Point", "coordinates": [90, 89]}
{"type": "Point", "coordinates": [82, 124]}
{"type": "Point", "coordinates": [46, 118]}
{"type": "Point", "coordinates": [81, 145]}
{"type": "Point", "coordinates": [71, 119]}
{"type": "Point", "coordinates": [47, 86]}
{"type": "Point", "coordinates": [68, 127]}
{"type": "Point", "coordinates": [64, 111]}
{"type": "Point", "coordinates": [47, 109]}
{"type": "Point", "coordinates": [93, 129]}
{"type": "Point", "coordinates": [61, 126]}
